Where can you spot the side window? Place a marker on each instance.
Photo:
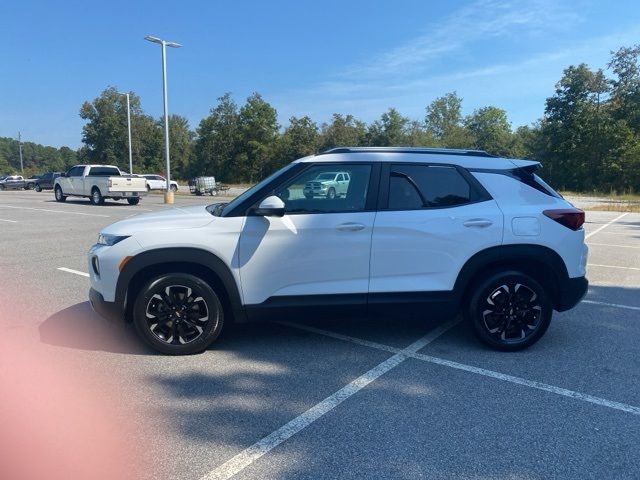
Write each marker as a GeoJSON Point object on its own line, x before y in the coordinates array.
{"type": "Point", "coordinates": [414, 187]}
{"type": "Point", "coordinates": [76, 172]}
{"type": "Point", "coordinates": [314, 190]}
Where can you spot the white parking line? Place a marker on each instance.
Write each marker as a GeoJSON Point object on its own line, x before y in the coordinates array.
{"type": "Point", "coordinates": [530, 383]}
{"type": "Point", "coordinates": [489, 373]}
{"type": "Point", "coordinates": [614, 246]}
{"type": "Point", "coordinates": [616, 305]}
{"type": "Point", "coordinates": [258, 449]}
{"type": "Point", "coordinates": [10, 221]}
{"type": "Point", "coordinates": [55, 211]}
{"type": "Point", "coordinates": [611, 266]}
{"type": "Point", "coordinates": [605, 225]}
{"type": "Point", "coordinates": [70, 270]}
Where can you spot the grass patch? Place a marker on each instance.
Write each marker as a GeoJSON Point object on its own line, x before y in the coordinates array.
{"type": "Point", "coordinates": [616, 207]}
{"type": "Point", "coordinates": [628, 197]}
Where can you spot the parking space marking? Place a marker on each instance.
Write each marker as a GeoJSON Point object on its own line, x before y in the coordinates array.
{"type": "Point", "coordinates": [611, 266]}
{"type": "Point", "coordinates": [489, 373]}
{"type": "Point", "coordinates": [614, 246]}
{"type": "Point", "coordinates": [605, 225]}
{"type": "Point", "coordinates": [258, 449]}
{"type": "Point", "coordinates": [616, 305]}
{"type": "Point", "coordinates": [530, 383]}
{"type": "Point", "coordinates": [70, 270]}
{"type": "Point", "coordinates": [55, 211]}
{"type": "Point", "coordinates": [10, 221]}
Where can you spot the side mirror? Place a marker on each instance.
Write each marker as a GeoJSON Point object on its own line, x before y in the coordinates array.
{"type": "Point", "coordinates": [270, 207]}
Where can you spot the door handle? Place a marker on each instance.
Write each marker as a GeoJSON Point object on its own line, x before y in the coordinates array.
{"type": "Point", "coordinates": [350, 227]}
{"type": "Point", "coordinates": [478, 222]}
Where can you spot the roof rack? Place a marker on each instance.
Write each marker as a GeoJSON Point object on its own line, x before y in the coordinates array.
{"type": "Point", "coordinates": [421, 150]}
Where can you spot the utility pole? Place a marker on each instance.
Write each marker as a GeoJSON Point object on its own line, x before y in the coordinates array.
{"type": "Point", "coordinates": [20, 148]}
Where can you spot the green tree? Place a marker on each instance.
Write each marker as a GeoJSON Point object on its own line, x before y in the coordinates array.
{"type": "Point", "coordinates": [490, 130]}
{"type": "Point", "coordinates": [389, 130]}
{"type": "Point", "coordinates": [625, 91]}
{"type": "Point", "coordinates": [105, 134]}
{"type": "Point", "coordinates": [181, 145]}
{"type": "Point", "coordinates": [444, 122]}
{"type": "Point", "coordinates": [258, 129]}
{"type": "Point", "coordinates": [300, 138]}
{"type": "Point", "coordinates": [217, 139]}
{"type": "Point", "coordinates": [343, 131]}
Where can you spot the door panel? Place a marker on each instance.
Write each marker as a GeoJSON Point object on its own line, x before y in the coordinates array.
{"type": "Point", "coordinates": [312, 254]}
{"type": "Point", "coordinates": [423, 250]}
{"type": "Point", "coordinates": [321, 246]}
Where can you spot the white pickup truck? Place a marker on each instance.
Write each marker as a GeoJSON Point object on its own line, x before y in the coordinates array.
{"type": "Point", "coordinates": [98, 182]}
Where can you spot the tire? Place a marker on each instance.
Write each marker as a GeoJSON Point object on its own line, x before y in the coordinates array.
{"type": "Point", "coordinates": [331, 193]}
{"type": "Point", "coordinates": [164, 320]}
{"type": "Point", "coordinates": [1, 187]}
{"type": "Point", "coordinates": [173, 188]}
{"type": "Point", "coordinates": [60, 197]}
{"type": "Point", "coordinates": [37, 188]}
{"type": "Point", "coordinates": [509, 310]}
{"type": "Point", "coordinates": [96, 197]}
{"type": "Point", "coordinates": [148, 188]}
{"type": "Point", "coordinates": [133, 201]}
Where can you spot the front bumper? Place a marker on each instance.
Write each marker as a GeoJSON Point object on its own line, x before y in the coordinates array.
{"type": "Point", "coordinates": [572, 290]}
{"type": "Point", "coordinates": [109, 310]}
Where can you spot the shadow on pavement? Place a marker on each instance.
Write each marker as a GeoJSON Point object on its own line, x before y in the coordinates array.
{"type": "Point", "coordinates": [79, 327]}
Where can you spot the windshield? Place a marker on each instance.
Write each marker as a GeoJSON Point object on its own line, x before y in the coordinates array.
{"type": "Point", "coordinates": [247, 193]}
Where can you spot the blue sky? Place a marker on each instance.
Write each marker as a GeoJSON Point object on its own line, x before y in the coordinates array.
{"type": "Point", "coordinates": [306, 58]}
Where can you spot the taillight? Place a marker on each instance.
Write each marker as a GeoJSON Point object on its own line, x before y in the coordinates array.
{"type": "Point", "coordinates": [572, 218]}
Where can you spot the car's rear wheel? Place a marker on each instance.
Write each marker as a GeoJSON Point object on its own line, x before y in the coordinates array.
{"type": "Point", "coordinates": [60, 197]}
{"type": "Point", "coordinates": [331, 193]}
{"type": "Point", "coordinates": [133, 201]}
{"type": "Point", "coordinates": [178, 314]}
{"type": "Point", "coordinates": [510, 310]}
{"type": "Point", "coordinates": [173, 188]}
{"type": "Point", "coordinates": [96, 197]}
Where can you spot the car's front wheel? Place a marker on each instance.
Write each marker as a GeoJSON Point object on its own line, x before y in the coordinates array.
{"type": "Point", "coordinates": [173, 188]}
{"type": "Point", "coordinates": [331, 193]}
{"type": "Point", "coordinates": [510, 310]}
{"type": "Point", "coordinates": [133, 201]}
{"type": "Point", "coordinates": [38, 188]}
{"type": "Point", "coordinates": [178, 314]}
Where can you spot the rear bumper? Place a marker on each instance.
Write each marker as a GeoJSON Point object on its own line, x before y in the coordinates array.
{"type": "Point", "coordinates": [109, 310]}
{"type": "Point", "coordinates": [572, 290]}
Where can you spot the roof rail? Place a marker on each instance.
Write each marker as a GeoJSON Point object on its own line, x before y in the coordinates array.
{"type": "Point", "coordinates": [421, 150]}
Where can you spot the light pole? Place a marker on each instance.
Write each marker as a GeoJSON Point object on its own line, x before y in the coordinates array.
{"type": "Point", "coordinates": [20, 147]}
{"type": "Point", "coordinates": [129, 129]}
{"type": "Point", "coordinates": [168, 195]}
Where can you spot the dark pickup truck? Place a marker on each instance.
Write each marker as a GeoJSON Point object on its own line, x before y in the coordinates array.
{"type": "Point", "coordinates": [44, 182]}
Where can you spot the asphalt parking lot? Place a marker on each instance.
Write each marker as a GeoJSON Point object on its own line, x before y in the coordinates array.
{"type": "Point", "coordinates": [350, 399]}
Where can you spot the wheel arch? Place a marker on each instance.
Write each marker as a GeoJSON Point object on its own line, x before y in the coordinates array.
{"type": "Point", "coordinates": [540, 262]}
{"type": "Point", "coordinates": [194, 261]}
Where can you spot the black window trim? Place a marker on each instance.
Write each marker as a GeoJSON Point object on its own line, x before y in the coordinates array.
{"type": "Point", "coordinates": [475, 187]}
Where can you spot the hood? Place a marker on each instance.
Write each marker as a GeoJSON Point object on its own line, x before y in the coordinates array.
{"type": "Point", "coordinates": [174, 218]}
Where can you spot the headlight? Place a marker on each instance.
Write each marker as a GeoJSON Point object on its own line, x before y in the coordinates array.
{"type": "Point", "coordinates": [106, 239]}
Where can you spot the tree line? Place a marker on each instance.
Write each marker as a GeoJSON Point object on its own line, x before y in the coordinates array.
{"type": "Point", "coordinates": [588, 138]}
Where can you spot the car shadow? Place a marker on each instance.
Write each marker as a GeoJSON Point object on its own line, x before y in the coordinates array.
{"type": "Point", "coordinates": [79, 327]}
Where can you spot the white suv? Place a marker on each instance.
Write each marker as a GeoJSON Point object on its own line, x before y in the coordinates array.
{"type": "Point", "coordinates": [418, 232]}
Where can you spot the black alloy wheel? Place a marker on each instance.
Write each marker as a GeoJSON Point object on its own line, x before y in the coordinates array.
{"type": "Point", "coordinates": [510, 311]}
{"type": "Point", "coordinates": [178, 314]}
